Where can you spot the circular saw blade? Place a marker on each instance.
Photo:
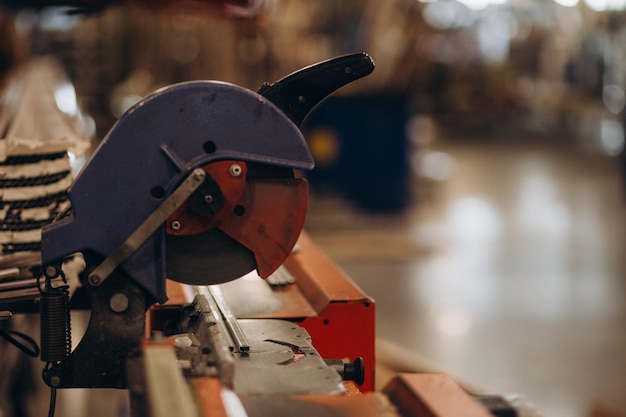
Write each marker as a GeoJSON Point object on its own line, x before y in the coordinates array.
{"type": "Point", "coordinates": [208, 258]}
{"type": "Point", "coordinates": [239, 244]}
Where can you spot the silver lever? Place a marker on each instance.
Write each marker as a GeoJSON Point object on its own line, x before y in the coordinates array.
{"type": "Point", "coordinates": [149, 226]}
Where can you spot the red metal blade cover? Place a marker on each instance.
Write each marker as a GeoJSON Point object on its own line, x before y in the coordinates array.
{"type": "Point", "coordinates": [264, 215]}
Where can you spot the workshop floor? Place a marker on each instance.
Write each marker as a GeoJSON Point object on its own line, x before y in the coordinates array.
{"type": "Point", "coordinates": [509, 274]}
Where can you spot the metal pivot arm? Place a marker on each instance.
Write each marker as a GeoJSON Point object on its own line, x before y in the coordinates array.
{"type": "Point", "coordinates": [149, 226]}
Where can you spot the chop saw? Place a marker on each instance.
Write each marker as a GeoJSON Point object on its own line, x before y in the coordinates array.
{"type": "Point", "coordinates": [197, 183]}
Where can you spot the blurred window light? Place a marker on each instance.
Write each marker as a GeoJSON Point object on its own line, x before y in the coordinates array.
{"type": "Point", "coordinates": [495, 32]}
{"type": "Point", "coordinates": [598, 5]}
{"type": "Point", "coordinates": [449, 14]}
{"type": "Point", "coordinates": [481, 4]}
{"type": "Point", "coordinates": [603, 5]}
{"type": "Point", "coordinates": [476, 4]}
{"type": "Point", "coordinates": [612, 137]}
{"type": "Point", "coordinates": [76, 162]}
{"type": "Point", "coordinates": [433, 165]}
{"type": "Point", "coordinates": [474, 219]}
{"type": "Point", "coordinates": [540, 208]}
{"type": "Point", "coordinates": [421, 130]}
{"type": "Point", "coordinates": [451, 320]}
{"type": "Point", "coordinates": [613, 98]}
{"type": "Point", "coordinates": [65, 97]}
{"type": "Point", "coordinates": [58, 19]}
{"type": "Point", "coordinates": [121, 105]}
{"type": "Point", "coordinates": [566, 3]}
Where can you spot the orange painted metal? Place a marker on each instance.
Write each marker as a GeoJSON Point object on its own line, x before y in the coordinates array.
{"type": "Point", "coordinates": [175, 293]}
{"type": "Point", "coordinates": [345, 330]}
{"type": "Point", "coordinates": [365, 405]}
{"type": "Point", "coordinates": [251, 297]}
{"type": "Point", "coordinates": [338, 315]}
{"type": "Point", "coordinates": [161, 317]}
{"type": "Point", "coordinates": [432, 395]}
{"type": "Point", "coordinates": [208, 392]}
{"type": "Point", "coordinates": [319, 278]}
{"type": "Point", "coordinates": [341, 321]}
{"type": "Point", "coordinates": [265, 215]}
{"type": "Point", "coordinates": [208, 395]}
{"type": "Point", "coordinates": [351, 388]}
{"type": "Point", "coordinates": [232, 188]}
{"type": "Point", "coordinates": [345, 324]}
{"type": "Point", "coordinates": [275, 210]}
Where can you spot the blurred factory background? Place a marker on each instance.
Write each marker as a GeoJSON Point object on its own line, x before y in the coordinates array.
{"type": "Point", "coordinates": [473, 185]}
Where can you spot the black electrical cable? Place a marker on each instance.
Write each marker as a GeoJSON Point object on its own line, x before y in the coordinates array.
{"type": "Point", "coordinates": [53, 401]}
{"type": "Point", "coordinates": [53, 392]}
{"type": "Point", "coordinates": [32, 350]}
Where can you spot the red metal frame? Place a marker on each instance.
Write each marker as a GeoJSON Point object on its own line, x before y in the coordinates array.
{"type": "Point", "coordinates": [339, 317]}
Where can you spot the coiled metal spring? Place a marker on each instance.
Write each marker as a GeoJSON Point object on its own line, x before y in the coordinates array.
{"type": "Point", "coordinates": [56, 335]}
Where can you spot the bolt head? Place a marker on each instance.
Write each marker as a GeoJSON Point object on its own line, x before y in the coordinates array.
{"type": "Point", "coordinates": [118, 302]}
{"type": "Point", "coordinates": [94, 280]}
{"type": "Point", "coordinates": [55, 380]}
{"type": "Point", "coordinates": [51, 271]}
{"type": "Point", "coordinates": [198, 174]}
{"type": "Point", "coordinates": [235, 170]}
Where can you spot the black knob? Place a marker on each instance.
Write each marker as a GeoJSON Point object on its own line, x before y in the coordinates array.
{"type": "Point", "coordinates": [354, 371]}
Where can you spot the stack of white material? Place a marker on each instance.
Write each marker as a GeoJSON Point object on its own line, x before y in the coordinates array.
{"type": "Point", "coordinates": [41, 132]}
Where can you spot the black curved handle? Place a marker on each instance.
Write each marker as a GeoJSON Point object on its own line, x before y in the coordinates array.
{"type": "Point", "coordinates": [299, 92]}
